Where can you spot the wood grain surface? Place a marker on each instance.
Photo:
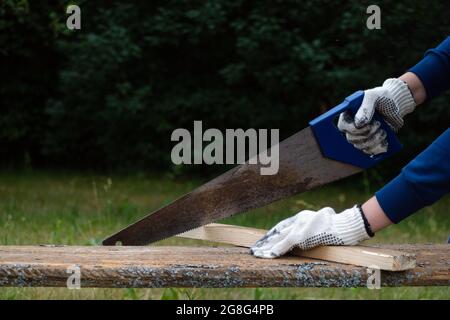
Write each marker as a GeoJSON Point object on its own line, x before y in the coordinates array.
{"type": "Point", "coordinates": [365, 256]}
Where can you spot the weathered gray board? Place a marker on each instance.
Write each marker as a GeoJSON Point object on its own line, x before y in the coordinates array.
{"type": "Point", "coordinates": [168, 266]}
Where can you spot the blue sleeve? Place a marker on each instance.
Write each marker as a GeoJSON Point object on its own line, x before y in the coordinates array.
{"type": "Point", "coordinates": [434, 69]}
{"type": "Point", "coordinates": [422, 182]}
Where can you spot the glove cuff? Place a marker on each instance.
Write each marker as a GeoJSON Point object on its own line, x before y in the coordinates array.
{"type": "Point", "coordinates": [401, 95]}
{"type": "Point", "coordinates": [349, 226]}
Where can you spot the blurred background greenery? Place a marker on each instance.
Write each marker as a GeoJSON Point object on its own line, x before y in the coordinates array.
{"type": "Point", "coordinates": [86, 116]}
{"type": "Point", "coordinates": [108, 96]}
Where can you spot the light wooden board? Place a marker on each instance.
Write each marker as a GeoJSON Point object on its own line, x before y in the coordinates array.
{"type": "Point", "coordinates": [169, 266]}
{"type": "Point", "coordinates": [365, 256]}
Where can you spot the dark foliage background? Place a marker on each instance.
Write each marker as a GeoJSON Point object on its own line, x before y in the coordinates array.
{"type": "Point", "coordinates": [109, 95]}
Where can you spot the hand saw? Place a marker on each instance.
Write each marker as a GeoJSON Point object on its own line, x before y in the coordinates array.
{"type": "Point", "coordinates": [317, 155]}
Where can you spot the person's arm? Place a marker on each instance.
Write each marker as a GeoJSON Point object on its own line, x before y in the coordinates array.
{"type": "Point", "coordinates": [415, 86]}
{"type": "Point", "coordinates": [425, 80]}
{"type": "Point", "coordinates": [421, 182]}
{"type": "Point", "coordinates": [396, 98]}
{"type": "Point", "coordinates": [434, 70]}
{"type": "Point", "coordinates": [375, 215]}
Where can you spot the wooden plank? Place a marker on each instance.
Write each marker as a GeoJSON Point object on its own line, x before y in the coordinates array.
{"type": "Point", "coordinates": [169, 266]}
{"type": "Point", "coordinates": [363, 256]}
{"type": "Point", "coordinates": [225, 233]}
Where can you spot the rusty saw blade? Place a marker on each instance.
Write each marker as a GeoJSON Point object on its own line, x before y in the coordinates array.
{"type": "Point", "coordinates": [302, 166]}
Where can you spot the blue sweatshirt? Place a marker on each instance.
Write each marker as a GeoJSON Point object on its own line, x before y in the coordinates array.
{"type": "Point", "coordinates": [426, 178]}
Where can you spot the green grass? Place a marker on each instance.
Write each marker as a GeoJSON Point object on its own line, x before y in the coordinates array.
{"type": "Point", "coordinates": [81, 209]}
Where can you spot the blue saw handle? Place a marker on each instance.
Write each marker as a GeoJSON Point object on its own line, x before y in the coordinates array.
{"type": "Point", "coordinates": [333, 143]}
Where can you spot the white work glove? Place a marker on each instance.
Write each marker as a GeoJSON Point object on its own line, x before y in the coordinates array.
{"type": "Point", "coordinates": [309, 229]}
{"type": "Point", "coordinates": [392, 101]}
